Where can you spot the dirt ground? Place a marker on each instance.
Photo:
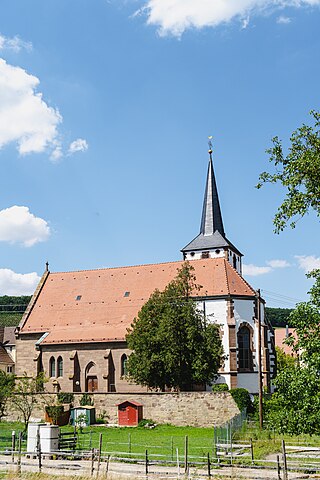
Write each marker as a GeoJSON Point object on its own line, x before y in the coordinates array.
{"type": "Point", "coordinates": [114, 470]}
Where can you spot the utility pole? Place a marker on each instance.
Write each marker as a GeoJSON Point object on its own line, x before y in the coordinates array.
{"type": "Point", "coordinates": [258, 297]}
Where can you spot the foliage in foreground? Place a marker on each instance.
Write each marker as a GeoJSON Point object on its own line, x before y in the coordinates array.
{"type": "Point", "coordinates": [173, 344]}
{"type": "Point", "coordinates": [295, 406]}
{"type": "Point", "coordinates": [6, 388]}
{"type": "Point", "coordinates": [298, 172]}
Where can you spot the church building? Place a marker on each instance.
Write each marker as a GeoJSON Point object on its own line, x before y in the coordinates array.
{"type": "Point", "coordinates": [75, 326]}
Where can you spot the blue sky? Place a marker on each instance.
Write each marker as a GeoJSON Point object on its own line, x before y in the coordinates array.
{"type": "Point", "coordinates": [105, 110]}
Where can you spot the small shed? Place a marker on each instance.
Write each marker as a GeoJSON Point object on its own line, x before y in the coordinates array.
{"type": "Point", "coordinates": [85, 415]}
{"type": "Point", "coordinates": [129, 413]}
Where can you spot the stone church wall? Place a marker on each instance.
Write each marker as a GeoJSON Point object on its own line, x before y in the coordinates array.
{"type": "Point", "coordinates": [198, 409]}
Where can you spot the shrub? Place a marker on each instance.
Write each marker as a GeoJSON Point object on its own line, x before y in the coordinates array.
{"type": "Point", "coordinates": [147, 423]}
{"type": "Point", "coordinates": [65, 397]}
{"type": "Point", "coordinates": [242, 398]}
{"type": "Point", "coordinates": [86, 400]}
{"type": "Point", "coordinates": [220, 387]}
{"type": "Point", "coordinates": [103, 417]}
{"type": "Point", "coordinates": [54, 412]}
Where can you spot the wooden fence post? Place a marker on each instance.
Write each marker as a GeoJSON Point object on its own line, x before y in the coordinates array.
{"type": "Point", "coordinates": [186, 454]}
{"type": "Point", "coordinates": [19, 452]}
{"type": "Point", "coordinates": [278, 467]}
{"type": "Point", "coordinates": [107, 466]}
{"type": "Point", "coordinates": [39, 451]}
{"type": "Point", "coordinates": [146, 463]}
{"type": "Point", "coordinates": [92, 462]}
{"type": "Point", "coordinates": [13, 445]}
{"type": "Point", "coordinates": [285, 466]}
{"type": "Point", "coordinates": [99, 453]}
{"type": "Point", "coordinates": [251, 448]}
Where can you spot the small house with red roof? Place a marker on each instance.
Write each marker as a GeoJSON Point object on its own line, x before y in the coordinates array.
{"type": "Point", "coordinates": [74, 328]}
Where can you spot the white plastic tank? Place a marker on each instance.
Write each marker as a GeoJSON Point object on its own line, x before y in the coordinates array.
{"type": "Point", "coordinates": [49, 438]}
{"type": "Point", "coordinates": [32, 441]}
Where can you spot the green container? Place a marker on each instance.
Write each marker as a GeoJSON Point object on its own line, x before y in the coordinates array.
{"type": "Point", "coordinates": [88, 416]}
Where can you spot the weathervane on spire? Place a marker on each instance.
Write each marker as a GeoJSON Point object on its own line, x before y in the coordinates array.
{"type": "Point", "coordinates": [210, 145]}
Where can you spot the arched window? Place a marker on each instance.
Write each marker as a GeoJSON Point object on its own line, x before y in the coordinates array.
{"type": "Point", "coordinates": [244, 349]}
{"type": "Point", "coordinates": [52, 367]}
{"type": "Point", "coordinates": [124, 360]}
{"type": "Point", "coordinates": [60, 367]}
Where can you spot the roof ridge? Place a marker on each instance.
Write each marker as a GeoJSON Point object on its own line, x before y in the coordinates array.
{"type": "Point", "coordinates": [240, 275]}
{"type": "Point", "coordinates": [132, 266]}
{"type": "Point", "coordinates": [226, 274]}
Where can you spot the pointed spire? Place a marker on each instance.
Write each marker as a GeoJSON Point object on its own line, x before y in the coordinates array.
{"type": "Point", "coordinates": [211, 214]}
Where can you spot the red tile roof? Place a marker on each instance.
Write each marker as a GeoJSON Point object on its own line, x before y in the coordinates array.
{"type": "Point", "coordinates": [105, 310]}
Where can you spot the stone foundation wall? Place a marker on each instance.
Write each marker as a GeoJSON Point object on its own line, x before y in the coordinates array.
{"type": "Point", "coordinates": [198, 409]}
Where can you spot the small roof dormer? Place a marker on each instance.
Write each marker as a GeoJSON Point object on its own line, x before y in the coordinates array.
{"type": "Point", "coordinates": [212, 241]}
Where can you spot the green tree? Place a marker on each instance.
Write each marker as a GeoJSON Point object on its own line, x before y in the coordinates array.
{"type": "Point", "coordinates": [284, 360]}
{"type": "Point", "coordinates": [298, 172]}
{"type": "Point", "coordinates": [173, 345]}
{"type": "Point", "coordinates": [278, 317]}
{"type": "Point", "coordinates": [305, 318]}
{"type": "Point", "coordinates": [6, 389]}
{"type": "Point", "coordinates": [294, 408]}
{"type": "Point", "coordinates": [26, 395]}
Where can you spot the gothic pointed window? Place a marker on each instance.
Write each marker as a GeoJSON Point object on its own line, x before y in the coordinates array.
{"type": "Point", "coordinates": [245, 362]}
{"type": "Point", "coordinates": [52, 367]}
{"type": "Point", "coordinates": [60, 367]}
{"type": "Point", "coordinates": [124, 360]}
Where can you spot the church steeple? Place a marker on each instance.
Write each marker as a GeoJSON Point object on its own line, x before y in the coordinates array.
{"type": "Point", "coordinates": [212, 241]}
{"type": "Point", "coordinates": [211, 213]}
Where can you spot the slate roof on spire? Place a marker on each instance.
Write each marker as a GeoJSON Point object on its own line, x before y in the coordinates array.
{"type": "Point", "coordinates": [211, 213]}
{"type": "Point", "coordinates": [212, 233]}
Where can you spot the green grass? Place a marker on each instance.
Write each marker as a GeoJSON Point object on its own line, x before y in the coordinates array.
{"type": "Point", "coordinates": [163, 441]}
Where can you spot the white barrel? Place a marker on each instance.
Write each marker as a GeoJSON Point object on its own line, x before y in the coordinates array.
{"type": "Point", "coordinates": [32, 441]}
{"type": "Point", "coordinates": [49, 438]}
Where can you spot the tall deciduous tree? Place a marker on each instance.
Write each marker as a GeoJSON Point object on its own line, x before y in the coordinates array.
{"type": "Point", "coordinates": [298, 172]}
{"type": "Point", "coordinates": [173, 344]}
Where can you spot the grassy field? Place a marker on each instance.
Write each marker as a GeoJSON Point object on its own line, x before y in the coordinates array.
{"type": "Point", "coordinates": [163, 441]}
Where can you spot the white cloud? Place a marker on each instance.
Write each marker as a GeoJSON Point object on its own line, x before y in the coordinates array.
{"type": "Point", "coordinates": [283, 20]}
{"type": "Point", "coordinates": [278, 263]}
{"type": "Point", "coordinates": [15, 43]}
{"type": "Point", "coordinates": [254, 270]}
{"type": "Point", "coordinates": [79, 145]}
{"type": "Point", "coordinates": [18, 225]}
{"type": "Point", "coordinates": [175, 16]}
{"type": "Point", "coordinates": [12, 283]}
{"type": "Point", "coordinates": [25, 118]}
{"type": "Point", "coordinates": [245, 23]}
{"type": "Point", "coordinates": [308, 262]}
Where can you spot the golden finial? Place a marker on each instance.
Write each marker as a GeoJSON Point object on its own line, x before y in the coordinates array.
{"type": "Point", "coordinates": [210, 144]}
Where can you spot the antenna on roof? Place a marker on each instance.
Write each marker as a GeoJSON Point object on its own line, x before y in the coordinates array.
{"type": "Point", "coordinates": [47, 266]}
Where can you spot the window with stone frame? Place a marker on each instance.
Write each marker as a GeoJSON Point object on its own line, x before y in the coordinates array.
{"type": "Point", "coordinates": [245, 361]}
{"type": "Point", "coordinates": [60, 367]}
{"type": "Point", "coordinates": [124, 361]}
{"type": "Point", "coordinates": [52, 367]}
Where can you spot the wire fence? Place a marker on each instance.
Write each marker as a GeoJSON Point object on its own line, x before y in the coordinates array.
{"type": "Point", "coordinates": [93, 454]}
